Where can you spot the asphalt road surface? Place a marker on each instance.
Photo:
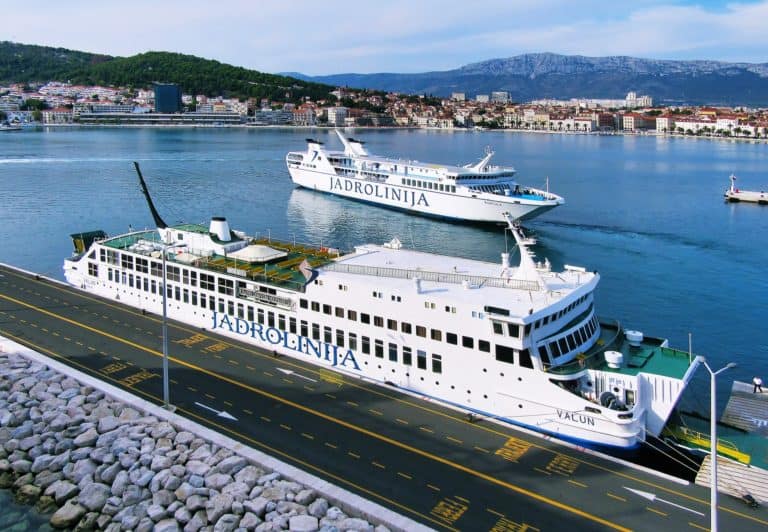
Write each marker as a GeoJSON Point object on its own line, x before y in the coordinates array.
{"type": "Point", "coordinates": [413, 456]}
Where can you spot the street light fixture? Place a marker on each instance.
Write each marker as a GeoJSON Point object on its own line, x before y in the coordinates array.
{"type": "Point", "coordinates": [713, 443]}
{"type": "Point", "coordinates": [166, 393]}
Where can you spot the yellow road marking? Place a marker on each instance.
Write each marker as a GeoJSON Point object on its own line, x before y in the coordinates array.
{"type": "Point", "coordinates": [372, 411]}
{"type": "Point", "coordinates": [432, 487]}
{"type": "Point", "coordinates": [481, 449]}
{"type": "Point", "coordinates": [332, 446]}
{"type": "Point", "coordinates": [351, 403]}
{"type": "Point", "coordinates": [247, 411]}
{"type": "Point", "coordinates": [654, 510]}
{"type": "Point", "coordinates": [512, 487]}
{"type": "Point", "coordinates": [694, 525]}
{"type": "Point", "coordinates": [401, 421]}
{"type": "Point", "coordinates": [286, 427]}
{"type": "Point", "coordinates": [265, 419]}
{"type": "Point", "coordinates": [379, 465]}
{"type": "Point", "coordinates": [425, 429]}
{"type": "Point", "coordinates": [454, 440]}
{"type": "Point", "coordinates": [404, 475]}
{"type": "Point", "coordinates": [542, 471]}
{"type": "Point", "coordinates": [353, 455]}
{"type": "Point", "coordinates": [209, 396]}
{"type": "Point", "coordinates": [577, 483]}
{"type": "Point", "coordinates": [228, 403]}
{"type": "Point", "coordinates": [494, 512]}
{"type": "Point", "coordinates": [330, 396]}
{"type": "Point", "coordinates": [307, 436]}
{"type": "Point", "coordinates": [617, 497]}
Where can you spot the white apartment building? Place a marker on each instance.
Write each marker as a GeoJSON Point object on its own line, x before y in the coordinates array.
{"type": "Point", "coordinates": [482, 98]}
{"type": "Point", "coordinates": [458, 96]}
{"type": "Point", "coordinates": [336, 116]}
{"type": "Point", "coordinates": [499, 96]}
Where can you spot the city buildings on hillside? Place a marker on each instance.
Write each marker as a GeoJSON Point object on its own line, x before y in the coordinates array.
{"type": "Point", "coordinates": [72, 104]}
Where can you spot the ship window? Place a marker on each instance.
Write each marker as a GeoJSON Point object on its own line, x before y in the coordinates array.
{"type": "Point", "coordinates": [206, 281]}
{"type": "Point", "coordinates": [407, 356]}
{"type": "Point", "coordinates": [546, 320]}
{"type": "Point", "coordinates": [193, 278]}
{"type": "Point", "coordinates": [505, 354]}
{"type": "Point", "coordinates": [405, 327]}
{"type": "Point", "coordinates": [327, 309]}
{"type": "Point", "coordinates": [484, 345]}
{"type": "Point", "coordinates": [452, 338]}
{"type": "Point", "coordinates": [185, 276]}
{"type": "Point", "coordinates": [271, 319]}
{"type": "Point", "coordinates": [436, 335]}
{"type": "Point", "coordinates": [525, 359]}
{"type": "Point", "coordinates": [353, 341]}
{"type": "Point", "coordinates": [127, 262]}
{"type": "Point", "coordinates": [260, 316]}
{"type": "Point", "coordinates": [378, 349]}
{"type": "Point", "coordinates": [339, 337]}
{"type": "Point", "coordinates": [291, 324]}
{"type": "Point", "coordinates": [393, 352]}
{"type": "Point", "coordinates": [378, 321]}
{"type": "Point", "coordinates": [365, 318]}
{"type": "Point", "coordinates": [563, 345]}
{"type": "Point", "coordinates": [527, 329]}
{"type": "Point", "coordinates": [211, 302]}
{"type": "Point", "coordinates": [281, 322]}
{"type": "Point", "coordinates": [437, 363]}
{"type": "Point", "coordinates": [315, 306]}
{"type": "Point", "coordinates": [226, 286]}
{"type": "Point", "coordinates": [421, 359]}
{"type": "Point", "coordinates": [392, 325]}
{"type": "Point", "coordinates": [555, 349]}
{"type": "Point", "coordinates": [304, 328]}
{"type": "Point", "coordinates": [109, 274]}
{"type": "Point", "coordinates": [421, 331]}
{"type": "Point", "coordinates": [185, 298]}
{"type": "Point", "coordinates": [497, 328]}
{"type": "Point", "coordinates": [250, 314]}
{"type": "Point", "coordinates": [339, 312]}
{"type": "Point", "coordinates": [179, 236]}
{"type": "Point", "coordinates": [173, 273]}
{"type": "Point", "coordinates": [315, 331]}
{"type": "Point", "coordinates": [513, 329]}
{"type": "Point", "coordinates": [468, 341]}
{"type": "Point", "coordinates": [240, 309]}
{"type": "Point", "coordinates": [142, 265]}
{"type": "Point", "coordinates": [230, 307]}
{"type": "Point", "coordinates": [366, 345]}
{"type": "Point", "coordinates": [352, 315]}
{"type": "Point", "coordinates": [327, 335]}
{"type": "Point", "coordinates": [93, 269]}
{"type": "Point", "coordinates": [544, 354]}
{"type": "Point", "coordinates": [303, 303]}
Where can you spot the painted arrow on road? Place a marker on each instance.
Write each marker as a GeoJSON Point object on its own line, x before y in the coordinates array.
{"type": "Point", "coordinates": [299, 375]}
{"type": "Point", "coordinates": [220, 413]}
{"type": "Point", "coordinates": [652, 497]}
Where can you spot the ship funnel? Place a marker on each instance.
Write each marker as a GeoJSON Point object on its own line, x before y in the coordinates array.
{"type": "Point", "coordinates": [220, 228]}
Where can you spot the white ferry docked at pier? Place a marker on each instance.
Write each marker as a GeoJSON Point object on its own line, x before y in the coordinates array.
{"type": "Point", "coordinates": [478, 192]}
{"type": "Point", "coordinates": [519, 344]}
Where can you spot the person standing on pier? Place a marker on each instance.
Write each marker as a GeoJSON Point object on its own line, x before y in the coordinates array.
{"type": "Point", "coordinates": [757, 384]}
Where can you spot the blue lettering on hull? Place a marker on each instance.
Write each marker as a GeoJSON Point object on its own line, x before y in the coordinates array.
{"type": "Point", "coordinates": [272, 336]}
{"type": "Point", "coordinates": [411, 198]}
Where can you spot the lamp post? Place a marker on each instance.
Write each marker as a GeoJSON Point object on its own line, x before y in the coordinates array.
{"type": "Point", "coordinates": [166, 393]}
{"type": "Point", "coordinates": [713, 442]}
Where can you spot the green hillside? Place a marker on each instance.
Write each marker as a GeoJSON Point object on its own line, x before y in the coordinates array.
{"type": "Point", "coordinates": [28, 63]}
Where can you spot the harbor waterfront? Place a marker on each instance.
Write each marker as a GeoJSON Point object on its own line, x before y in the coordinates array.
{"type": "Point", "coordinates": [646, 212]}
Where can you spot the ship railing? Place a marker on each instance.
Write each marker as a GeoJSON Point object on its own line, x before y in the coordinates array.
{"type": "Point", "coordinates": [476, 281]}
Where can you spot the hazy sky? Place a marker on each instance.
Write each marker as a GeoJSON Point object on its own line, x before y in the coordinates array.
{"type": "Point", "coordinates": [336, 36]}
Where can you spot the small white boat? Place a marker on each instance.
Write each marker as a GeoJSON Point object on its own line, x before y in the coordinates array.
{"type": "Point", "coordinates": [734, 194]}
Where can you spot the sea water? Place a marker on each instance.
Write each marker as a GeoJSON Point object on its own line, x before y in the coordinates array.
{"type": "Point", "coordinates": [646, 212]}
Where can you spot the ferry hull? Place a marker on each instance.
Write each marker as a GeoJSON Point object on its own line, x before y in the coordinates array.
{"type": "Point", "coordinates": [484, 208]}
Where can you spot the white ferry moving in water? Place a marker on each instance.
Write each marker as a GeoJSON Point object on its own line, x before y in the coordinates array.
{"type": "Point", "coordinates": [477, 193]}
{"type": "Point", "coordinates": [519, 344]}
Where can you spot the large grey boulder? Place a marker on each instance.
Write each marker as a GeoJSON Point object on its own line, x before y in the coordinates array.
{"type": "Point", "coordinates": [303, 523]}
{"type": "Point", "coordinates": [94, 495]}
{"type": "Point", "coordinates": [68, 515]}
{"type": "Point", "coordinates": [62, 490]}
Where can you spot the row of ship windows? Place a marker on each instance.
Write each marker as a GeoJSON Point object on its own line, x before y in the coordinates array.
{"type": "Point", "coordinates": [428, 185]}
{"type": "Point", "coordinates": [271, 319]}
{"type": "Point", "coordinates": [568, 343]}
{"type": "Point", "coordinates": [513, 329]}
{"type": "Point", "coordinates": [392, 325]}
{"type": "Point", "coordinates": [174, 273]}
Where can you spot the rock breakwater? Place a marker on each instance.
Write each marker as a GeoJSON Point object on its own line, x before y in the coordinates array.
{"type": "Point", "coordinates": [94, 462]}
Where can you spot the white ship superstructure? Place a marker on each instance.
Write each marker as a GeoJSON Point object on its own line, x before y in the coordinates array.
{"type": "Point", "coordinates": [478, 192]}
{"type": "Point", "coordinates": [521, 344]}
